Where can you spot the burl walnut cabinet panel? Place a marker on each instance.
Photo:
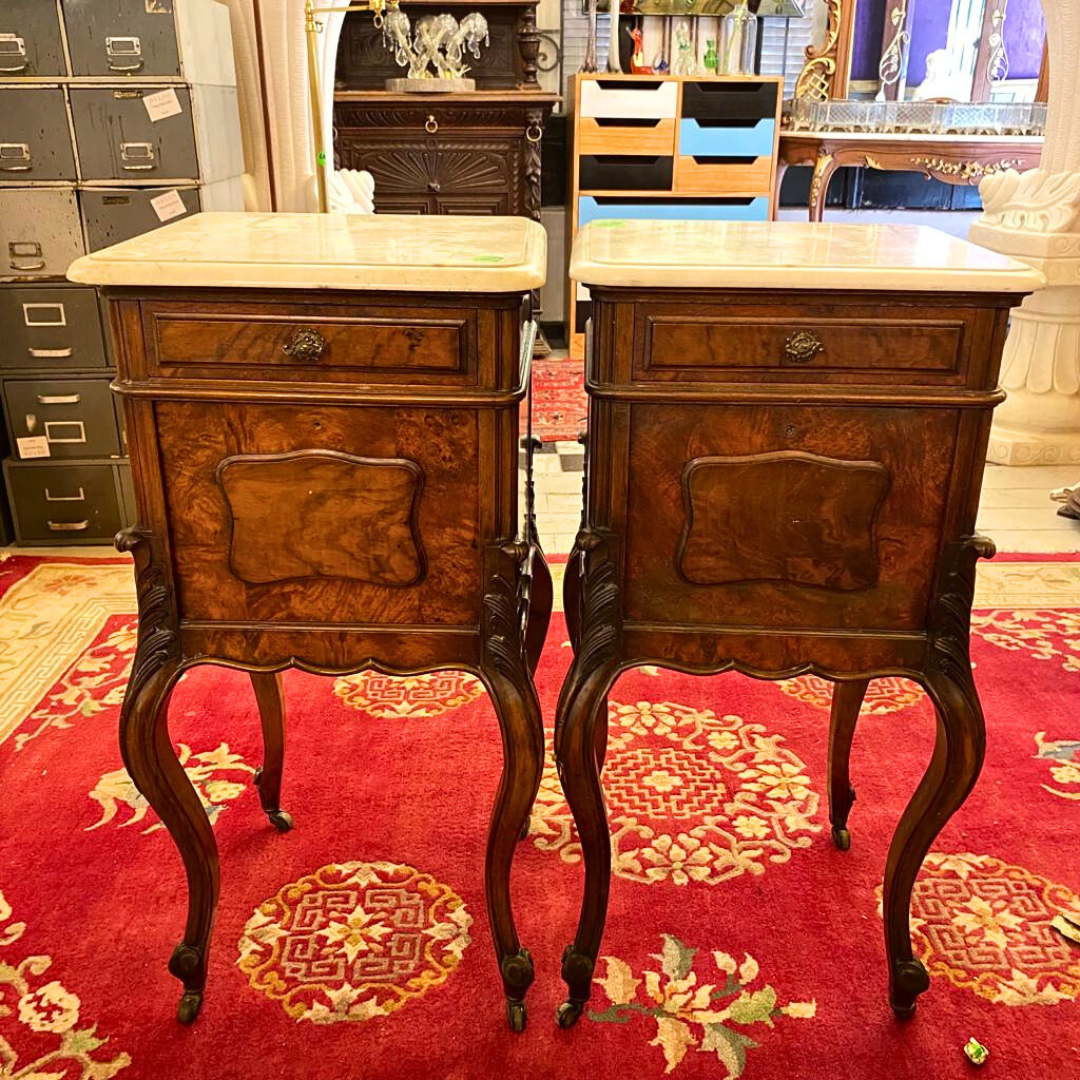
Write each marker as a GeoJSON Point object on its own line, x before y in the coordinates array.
{"type": "Point", "coordinates": [787, 430]}
{"type": "Point", "coordinates": [323, 420]}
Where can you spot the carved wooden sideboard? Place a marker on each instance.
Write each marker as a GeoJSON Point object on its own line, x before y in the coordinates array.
{"type": "Point", "coordinates": [787, 431]}
{"type": "Point", "coordinates": [469, 153]}
{"type": "Point", "coordinates": [323, 420]}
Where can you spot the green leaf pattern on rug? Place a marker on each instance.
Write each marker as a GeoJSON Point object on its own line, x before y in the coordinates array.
{"type": "Point", "coordinates": [690, 1015]}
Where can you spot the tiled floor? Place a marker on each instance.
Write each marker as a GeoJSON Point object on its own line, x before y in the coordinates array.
{"type": "Point", "coordinates": [1016, 509]}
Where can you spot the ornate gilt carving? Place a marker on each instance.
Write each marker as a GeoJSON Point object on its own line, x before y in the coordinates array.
{"type": "Point", "coordinates": [818, 80]}
{"type": "Point", "coordinates": [969, 172]}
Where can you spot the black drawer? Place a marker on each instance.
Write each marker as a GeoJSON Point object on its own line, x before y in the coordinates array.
{"type": "Point", "coordinates": [76, 416]}
{"type": "Point", "coordinates": [617, 172]}
{"type": "Point", "coordinates": [112, 216]}
{"type": "Point", "coordinates": [50, 327]}
{"type": "Point", "coordinates": [729, 101]}
{"type": "Point", "coordinates": [35, 141]}
{"type": "Point", "coordinates": [64, 504]}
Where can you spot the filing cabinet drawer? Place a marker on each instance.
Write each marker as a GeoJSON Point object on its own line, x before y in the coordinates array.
{"type": "Point", "coordinates": [850, 342]}
{"type": "Point", "coordinates": [117, 140]}
{"type": "Point", "coordinates": [618, 99]}
{"type": "Point", "coordinates": [50, 326]}
{"type": "Point", "coordinates": [730, 101]}
{"type": "Point", "coordinates": [600, 135]}
{"type": "Point", "coordinates": [599, 207]}
{"type": "Point", "coordinates": [704, 138]}
{"type": "Point", "coordinates": [64, 504]}
{"type": "Point", "coordinates": [40, 234]}
{"type": "Point", "coordinates": [75, 415]}
{"type": "Point", "coordinates": [30, 42]}
{"type": "Point", "coordinates": [112, 216]}
{"type": "Point", "coordinates": [122, 37]}
{"type": "Point", "coordinates": [320, 343]}
{"type": "Point", "coordinates": [35, 139]}
{"type": "Point", "coordinates": [617, 172]}
{"type": "Point", "coordinates": [724, 176]}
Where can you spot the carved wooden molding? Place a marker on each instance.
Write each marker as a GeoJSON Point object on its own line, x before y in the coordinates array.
{"type": "Point", "coordinates": [828, 70]}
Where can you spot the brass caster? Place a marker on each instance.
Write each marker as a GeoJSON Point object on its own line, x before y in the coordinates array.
{"type": "Point", "coordinates": [841, 838]}
{"type": "Point", "coordinates": [281, 820]}
{"type": "Point", "coordinates": [189, 1007]}
{"type": "Point", "coordinates": [516, 1015]}
{"type": "Point", "coordinates": [568, 1014]}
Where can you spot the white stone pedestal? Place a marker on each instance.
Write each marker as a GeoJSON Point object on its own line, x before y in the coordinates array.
{"type": "Point", "coordinates": [1036, 217]}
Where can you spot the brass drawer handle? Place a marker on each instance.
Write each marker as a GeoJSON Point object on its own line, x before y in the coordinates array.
{"type": "Point", "coordinates": [803, 346]}
{"type": "Point", "coordinates": [305, 344]}
{"type": "Point", "coordinates": [59, 399]}
{"type": "Point", "coordinates": [431, 125]}
{"type": "Point", "coordinates": [69, 526]}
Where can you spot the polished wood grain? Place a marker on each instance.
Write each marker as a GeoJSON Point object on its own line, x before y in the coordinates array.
{"type": "Point", "coordinates": [704, 176]}
{"type": "Point", "coordinates": [789, 517]}
{"type": "Point", "coordinates": [742, 514]}
{"type": "Point", "coordinates": [610, 137]}
{"type": "Point", "coordinates": [351, 506]}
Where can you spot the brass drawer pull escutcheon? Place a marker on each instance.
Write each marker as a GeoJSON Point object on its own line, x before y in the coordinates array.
{"type": "Point", "coordinates": [305, 344]}
{"type": "Point", "coordinates": [803, 346]}
{"type": "Point", "coordinates": [431, 125]}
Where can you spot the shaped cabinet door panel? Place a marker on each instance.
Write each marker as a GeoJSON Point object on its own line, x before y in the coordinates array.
{"type": "Point", "coordinates": [323, 514]}
{"type": "Point", "coordinates": [779, 520]}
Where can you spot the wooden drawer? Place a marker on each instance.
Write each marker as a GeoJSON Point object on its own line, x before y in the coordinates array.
{"type": "Point", "coordinates": [620, 98]}
{"type": "Point", "coordinates": [763, 515]}
{"type": "Point", "coordinates": [848, 343]}
{"type": "Point", "coordinates": [622, 135]}
{"type": "Point", "coordinates": [320, 343]}
{"type": "Point", "coordinates": [724, 176]}
{"type": "Point", "coordinates": [722, 100]}
{"type": "Point", "coordinates": [64, 504]}
{"type": "Point", "coordinates": [618, 172]}
{"type": "Point", "coordinates": [325, 514]}
{"type": "Point", "coordinates": [75, 416]}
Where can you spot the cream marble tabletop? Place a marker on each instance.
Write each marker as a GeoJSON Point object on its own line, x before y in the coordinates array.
{"type": "Point", "coordinates": [789, 255]}
{"type": "Point", "coordinates": [328, 251]}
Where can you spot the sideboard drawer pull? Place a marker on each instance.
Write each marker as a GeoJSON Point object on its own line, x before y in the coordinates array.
{"type": "Point", "coordinates": [69, 526]}
{"type": "Point", "coordinates": [803, 346]}
{"type": "Point", "coordinates": [59, 399]}
{"type": "Point", "coordinates": [305, 344]}
{"type": "Point", "coordinates": [431, 125]}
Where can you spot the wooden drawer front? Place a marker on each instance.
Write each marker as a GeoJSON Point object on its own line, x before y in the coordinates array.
{"type": "Point", "coordinates": [609, 135]}
{"type": "Point", "coordinates": [437, 165]}
{"type": "Point", "coordinates": [194, 340]}
{"type": "Point", "coordinates": [618, 172]}
{"type": "Point", "coordinates": [617, 98]}
{"type": "Point", "coordinates": [716, 100]}
{"type": "Point", "coordinates": [601, 208]}
{"type": "Point", "coordinates": [50, 326]}
{"type": "Point", "coordinates": [746, 515]}
{"type": "Point", "coordinates": [117, 140]}
{"type": "Point", "coordinates": [75, 415]}
{"type": "Point", "coordinates": [724, 176]}
{"type": "Point", "coordinates": [63, 504]}
{"type": "Point", "coordinates": [701, 138]}
{"type": "Point", "coordinates": [35, 142]}
{"type": "Point", "coordinates": [744, 343]}
{"type": "Point", "coordinates": [323, 514]}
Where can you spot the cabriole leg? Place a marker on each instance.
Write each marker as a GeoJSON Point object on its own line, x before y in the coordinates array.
{"type": "Point", "coordinates": [270, 696]}
{"type": "Point", "coordinates": [846, 703]}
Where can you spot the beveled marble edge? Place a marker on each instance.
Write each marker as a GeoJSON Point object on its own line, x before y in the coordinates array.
{"type": "Point", "coordinates": [313, 251]}
{"type": "Point", "coordinates": [790, 255]}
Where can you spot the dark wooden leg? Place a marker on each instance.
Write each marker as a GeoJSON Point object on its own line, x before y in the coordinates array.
{"type": "Point", "coordinates": [953, 770]}
{"type": "Point", "coordinates": [541, 601]}
{"type": "Point", "coordinates": [846, 703]}
{"type": "Point", "coordinates": [271, 698]}
{"type": "Point", "coordinates": [600, 733]}
{"type": "Point", "coordinates": [506, 672]}
{"type": "Point", "coordinates": [151, 762]}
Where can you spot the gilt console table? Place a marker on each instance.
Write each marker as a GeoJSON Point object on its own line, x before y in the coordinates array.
{"type": "Point", "coordinates": [787, 430]}
{"type": "Point", "coordinates": [323, 419]}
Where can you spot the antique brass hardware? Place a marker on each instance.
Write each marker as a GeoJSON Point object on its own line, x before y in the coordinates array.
{"type": "Point", "coordinates": [305, 344]}
{"type": "Point", "coordinates": [803, 346]}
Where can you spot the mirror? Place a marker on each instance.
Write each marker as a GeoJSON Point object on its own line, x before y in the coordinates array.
{"type": "Point", "coordinates": [790, 9]}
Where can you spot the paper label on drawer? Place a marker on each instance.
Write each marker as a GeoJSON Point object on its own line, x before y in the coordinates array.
{"type": "Point", "coordinates": [162, 105]}
{"type": "Point", "coordinates": [169, 206]}
{"type": "Point", "coordinates": [33, 446]}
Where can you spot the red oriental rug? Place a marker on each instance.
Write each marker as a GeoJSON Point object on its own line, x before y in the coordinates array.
{"type": "Point", "coordinates": [740, 942]}
{"type": "Point", "coordinates": [560, 407]}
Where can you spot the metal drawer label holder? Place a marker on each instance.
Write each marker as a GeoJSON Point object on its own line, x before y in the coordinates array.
{"type": "Point", "coordinates": [13, 58]}
{"type": "Point", "coordinates": [124, 53]}
{"type": "Point", "coordinates": [15, 157]}
{"type": "Point", "coordinates": [52, 425]}
{"type": "Point", "coordinates": [50, 314]}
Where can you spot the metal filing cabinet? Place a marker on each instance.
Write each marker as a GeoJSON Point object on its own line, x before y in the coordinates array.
{"type": "Point", "coordinates": [133, 38]}
{"type": "Point", "coordinates": [35, 143]}
{"type": "Point", "coordinates": [31, 45]}
{"type": "Point", "coordinates": [138, 127]}
{"type": "Point", "coordinates": [115, 214]}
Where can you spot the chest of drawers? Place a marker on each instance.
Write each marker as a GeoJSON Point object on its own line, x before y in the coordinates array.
{"type": "Point", "coordinates": [322, 415]}
{"type": "Point", "coordinates": [787, 430]}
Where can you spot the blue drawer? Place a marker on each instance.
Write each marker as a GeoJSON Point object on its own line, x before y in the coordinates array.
{"type": "Point", "coordinates": [593, 208]}
{"type": "Point", "coordinates": [701, 139]}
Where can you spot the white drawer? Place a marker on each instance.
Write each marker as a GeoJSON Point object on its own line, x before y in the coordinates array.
{"type": "Point", "coordinates": [615, 98]}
